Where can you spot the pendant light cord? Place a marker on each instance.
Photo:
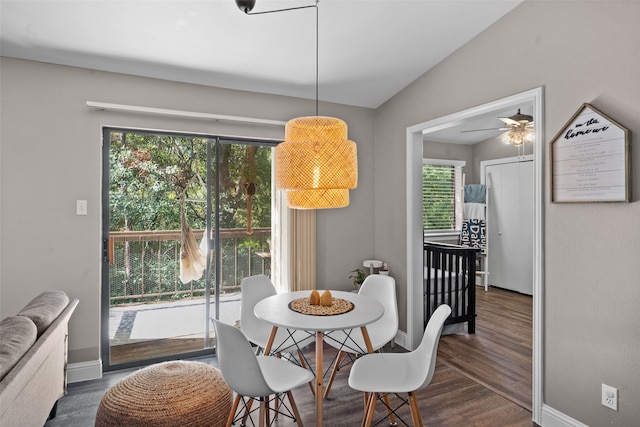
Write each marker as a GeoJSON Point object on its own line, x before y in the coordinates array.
{"type": "Point", "coordinates": [246, 8]}
{"type": "Point", "coordinates": [317, 50]}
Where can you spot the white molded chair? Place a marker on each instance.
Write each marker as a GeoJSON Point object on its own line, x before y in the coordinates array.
{"type": "Point", "coordinates": [382, 289]}
{"type": "Point", "coordinates": [383, 373]}
{"type": "Point", "coordinates": [254, 289]}
{"type": "Point", "coordinates": [256, 377]}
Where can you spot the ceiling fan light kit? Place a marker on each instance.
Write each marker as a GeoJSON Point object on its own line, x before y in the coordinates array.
{"type": "Point", "coordinates": [316, 164]}
{"type": "Point", "coordinates": [517, 137]}
{"type": "Point", "coordinates": [520, 129]}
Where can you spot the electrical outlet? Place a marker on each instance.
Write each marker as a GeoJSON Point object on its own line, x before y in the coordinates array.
{"type": "Point", "coordinates": [610, 397]}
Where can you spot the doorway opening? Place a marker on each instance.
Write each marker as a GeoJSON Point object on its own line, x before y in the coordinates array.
{"type": "Point", "coordinates": [414, 153]}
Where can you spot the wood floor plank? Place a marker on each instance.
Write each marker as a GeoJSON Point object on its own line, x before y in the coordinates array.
{"type": "Point", "coordinates": [132, 352]}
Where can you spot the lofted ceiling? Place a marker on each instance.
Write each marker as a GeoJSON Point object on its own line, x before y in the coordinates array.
{"type": "Point", "coordinates": [368, 50]}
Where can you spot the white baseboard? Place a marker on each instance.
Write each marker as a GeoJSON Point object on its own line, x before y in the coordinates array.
{"type": "Point", "coordinates": [84, 371]}
{"type": "Point", "coordinates": [554, 418]}
{"type": "Point", "coordinates": [401, 339]}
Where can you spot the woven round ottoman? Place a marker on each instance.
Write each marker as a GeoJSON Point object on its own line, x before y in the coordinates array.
{"type": "Point", "coordinates": [177, 393]}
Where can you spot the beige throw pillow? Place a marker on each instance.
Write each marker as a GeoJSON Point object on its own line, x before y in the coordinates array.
{"type": "Point", "coordinates": [45, 308]}
{"type": "Point", "coordinates": [18, 335]}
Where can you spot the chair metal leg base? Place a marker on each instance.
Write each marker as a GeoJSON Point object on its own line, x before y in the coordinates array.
{"type": "Point", "coordinates": [264, 410]}
{"type": "Point", "coordinates": [370, 405]}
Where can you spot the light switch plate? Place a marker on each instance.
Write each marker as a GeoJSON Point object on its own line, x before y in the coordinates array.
{"type": "Point", "coordinates": [81, 207]}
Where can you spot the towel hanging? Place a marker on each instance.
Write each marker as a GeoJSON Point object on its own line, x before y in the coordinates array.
{"type": "Point", "coordinates": [192, 260]}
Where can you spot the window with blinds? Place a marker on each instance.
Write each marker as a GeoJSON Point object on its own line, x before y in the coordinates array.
{"type": "Point", "coordinates": [442, 182]}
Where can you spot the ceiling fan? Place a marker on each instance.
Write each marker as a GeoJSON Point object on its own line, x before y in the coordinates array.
{"type": "Point", "coordinates": [519, 129]}
{"type": "Point", "coordinates": [517, 122]}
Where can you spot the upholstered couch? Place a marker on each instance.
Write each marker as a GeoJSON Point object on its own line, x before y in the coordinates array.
{"type": "Point", "coordinates": [33, 359]}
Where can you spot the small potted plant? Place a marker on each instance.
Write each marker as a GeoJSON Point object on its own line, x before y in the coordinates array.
{"type": "Point", "coordinates": [357, 276]}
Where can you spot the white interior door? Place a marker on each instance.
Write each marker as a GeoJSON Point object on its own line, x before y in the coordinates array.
{"type": "Point", "coordinates": [510, 222]}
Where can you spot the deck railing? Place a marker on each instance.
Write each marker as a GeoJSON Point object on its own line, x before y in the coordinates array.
{"type": "Point", "coordinates": [144, 266]}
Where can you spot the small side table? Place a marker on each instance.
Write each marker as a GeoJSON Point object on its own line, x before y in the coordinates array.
{"type": "Point", "coordinates": [372, 263]}
{"type": "Point", "coordinates": [266, 261]}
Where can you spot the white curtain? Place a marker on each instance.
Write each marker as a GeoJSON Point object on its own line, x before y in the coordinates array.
{"type": "Point", "coordinates": [302, 260]}
{"type": "Point", "coordinates": [293, 246]}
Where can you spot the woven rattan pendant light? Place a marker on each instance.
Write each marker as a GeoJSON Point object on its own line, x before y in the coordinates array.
{"type": "Point", "coordinates": [316, 164]}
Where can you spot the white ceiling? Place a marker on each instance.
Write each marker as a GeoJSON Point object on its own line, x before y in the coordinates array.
{"type": "Point", "coordinates": [368, 50]}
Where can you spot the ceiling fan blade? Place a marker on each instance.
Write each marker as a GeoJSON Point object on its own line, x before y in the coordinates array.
{"type": "Point", "coordinates": [509, 121]}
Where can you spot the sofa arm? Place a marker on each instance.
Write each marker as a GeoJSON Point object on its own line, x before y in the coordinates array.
{"type": "Point", "coordinates": [38, 380]}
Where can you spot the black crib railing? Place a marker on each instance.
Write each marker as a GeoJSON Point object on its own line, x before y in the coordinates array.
{"type": "Point", "coordinates": [450, 278]}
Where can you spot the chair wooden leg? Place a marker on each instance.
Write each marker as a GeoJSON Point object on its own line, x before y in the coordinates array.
{"type": "Point", "coordinates": [415, 411]}
{"type": "Point", "coordinates": [294, 408]}
{"type": "Point", "coordinates": [334, 371]}
{"type": "Point", "coordinates": [234, 408]}
{"type": "Point", "coordinates": [262, 414]}
{"type": "Point", "coordinates": [267, 408]}
{"type": "Point", "coordinates": [392, 417]}
{"type": "Point", "coordinates": [304, 365]}
{"type": "Point", "coordinates": [371, 408]}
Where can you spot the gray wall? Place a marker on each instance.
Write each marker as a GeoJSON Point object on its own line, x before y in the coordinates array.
{"type": "Point", "coordinates": [579, 51]}
{"type": "Point", "coordinates": [489, 149]}
{"type": "Point", "coordinates": [444, 151]}
{"type": "Point", "coordinates": [51, 156]}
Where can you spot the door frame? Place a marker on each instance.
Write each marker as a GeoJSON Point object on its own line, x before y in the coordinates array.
{"type": "Point", "coordinates": [414, 235]}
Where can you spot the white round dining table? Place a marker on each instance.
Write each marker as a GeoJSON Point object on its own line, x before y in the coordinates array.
{"type": "Point", "coordinates": [276, 311]}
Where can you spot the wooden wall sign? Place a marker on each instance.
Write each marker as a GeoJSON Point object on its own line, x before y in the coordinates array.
{"type": "Point", "coordinates": [590, 159]}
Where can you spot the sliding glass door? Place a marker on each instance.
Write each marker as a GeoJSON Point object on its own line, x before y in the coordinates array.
{"type": "Point", "coordinates": [185, 218]}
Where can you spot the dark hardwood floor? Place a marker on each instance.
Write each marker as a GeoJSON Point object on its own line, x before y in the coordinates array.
{"type": "Point", "coordinates": [134, 352]}
{"type": "Point", "coordinates": [480, 380]}
{"type": "Point", "coordinates": [498, 355]}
